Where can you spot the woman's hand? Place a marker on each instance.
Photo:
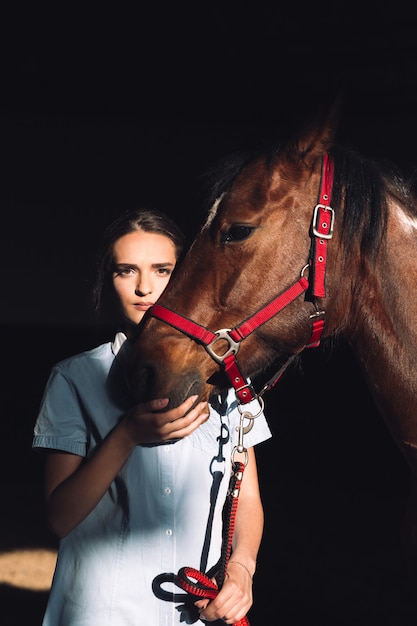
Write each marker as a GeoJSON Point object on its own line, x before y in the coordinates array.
{"type": "Point", "coordinates": [148, 422]}
{"type": "Point", "coordinates": [233, 600]}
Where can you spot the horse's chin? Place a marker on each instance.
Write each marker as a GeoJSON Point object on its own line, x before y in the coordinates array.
{"type": "Point", "coordinates": [147, 382]}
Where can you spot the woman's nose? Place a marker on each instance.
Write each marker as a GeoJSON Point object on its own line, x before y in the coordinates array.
{"type": "Point", "coordinates": [143, 287]}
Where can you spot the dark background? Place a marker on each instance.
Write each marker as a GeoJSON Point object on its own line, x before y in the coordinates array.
{"type": "Point", "coordinates": [104, 109]}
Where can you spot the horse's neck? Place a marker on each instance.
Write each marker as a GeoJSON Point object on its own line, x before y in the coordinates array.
{"type": "Point", "coordinates": [383, 332]}
{"type": "Point", "coordinates": [385, 306]}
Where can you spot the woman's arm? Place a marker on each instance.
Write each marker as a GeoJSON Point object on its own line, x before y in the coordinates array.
{"type": "Point", "coordinates": [74, 486]}
{"type": "Point", "coordinates": [235, 598]}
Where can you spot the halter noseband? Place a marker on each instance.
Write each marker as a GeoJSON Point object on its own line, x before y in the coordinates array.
{"type": "Point", "coordinates": [321, 232]}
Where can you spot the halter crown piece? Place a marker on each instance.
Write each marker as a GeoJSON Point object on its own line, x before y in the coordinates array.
{"type": "Point", "coordinates": [321, 232]}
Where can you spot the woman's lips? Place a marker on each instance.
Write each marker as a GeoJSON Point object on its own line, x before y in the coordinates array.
{"type": "Point", "coordinates": [143, 306]}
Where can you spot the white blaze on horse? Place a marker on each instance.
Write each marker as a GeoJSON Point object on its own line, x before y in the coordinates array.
{"type": "Point", "coordinates": [306, 238]}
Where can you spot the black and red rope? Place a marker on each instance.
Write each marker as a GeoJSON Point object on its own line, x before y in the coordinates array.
{"type": "Point", "coordinates": [199, 584]}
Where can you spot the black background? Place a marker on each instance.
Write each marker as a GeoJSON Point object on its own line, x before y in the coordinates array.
{"type": "Point", "coordinates": [107, 108]}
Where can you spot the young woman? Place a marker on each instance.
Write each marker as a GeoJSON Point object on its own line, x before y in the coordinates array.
{"type": "Point", "coordinates": [134, 493]}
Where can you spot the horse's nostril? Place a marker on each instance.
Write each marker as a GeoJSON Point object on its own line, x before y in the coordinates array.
{"type": "Point", "coordinates": [141, 379]}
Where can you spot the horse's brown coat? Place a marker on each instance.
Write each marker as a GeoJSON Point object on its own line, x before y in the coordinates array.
{"type": "Point", "coordinates": [370, 298]}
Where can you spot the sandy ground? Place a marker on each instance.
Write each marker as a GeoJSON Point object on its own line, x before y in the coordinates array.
{"type": "Point", "coordinates": [28, 569]}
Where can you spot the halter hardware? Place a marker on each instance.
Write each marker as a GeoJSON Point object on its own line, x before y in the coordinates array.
{"type": "Point", "coordinates": [321, 232]}
{"type": "Point", "coordinates": [222, 334]}
{"type": "Point", "coordinates": [323, 229]}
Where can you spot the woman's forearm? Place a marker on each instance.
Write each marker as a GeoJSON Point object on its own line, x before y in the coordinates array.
{"type": "Point", "coordinates": [236, 595]}
{"type": "Point", "coordinates": [249, 521]}
{"type": "Point", "coordinates": [74, 486]}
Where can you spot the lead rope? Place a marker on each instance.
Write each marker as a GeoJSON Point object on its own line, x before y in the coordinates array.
{"type": "Point", "coordinates": [197, 583]}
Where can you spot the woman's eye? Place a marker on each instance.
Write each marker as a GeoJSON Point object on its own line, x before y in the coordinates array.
{"type": "Point", "coordinates": [237, 232]}
{"type": "Point", "coordinates": [124, 271]}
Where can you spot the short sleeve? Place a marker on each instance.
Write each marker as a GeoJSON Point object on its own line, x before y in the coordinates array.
{"type": "Point", "coordinates": [60, 424]}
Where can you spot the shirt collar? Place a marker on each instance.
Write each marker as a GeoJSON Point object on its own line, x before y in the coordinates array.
{"type": "Point", "coordinates": [118, 341]}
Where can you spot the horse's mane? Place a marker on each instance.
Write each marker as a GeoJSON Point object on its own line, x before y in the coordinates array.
{"type": "Point", "coordinates": [362, 188]}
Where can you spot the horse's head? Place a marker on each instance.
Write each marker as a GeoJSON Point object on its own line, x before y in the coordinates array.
{"type": "Point", "coordinates": [253, 246]}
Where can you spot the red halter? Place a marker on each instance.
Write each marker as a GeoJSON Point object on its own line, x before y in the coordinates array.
{"type": "Point", "coordinates": [321, 232]}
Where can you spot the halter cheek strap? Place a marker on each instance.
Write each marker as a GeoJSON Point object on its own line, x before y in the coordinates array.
{"type": "Point", "coordinates": [321, 232]}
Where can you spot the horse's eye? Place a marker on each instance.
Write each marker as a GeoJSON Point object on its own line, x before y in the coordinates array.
{"type": "Point", "coordinates": [237, 232]}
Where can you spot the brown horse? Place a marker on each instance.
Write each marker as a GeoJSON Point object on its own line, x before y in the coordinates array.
{"type": "Point", "coordinates": [273, 238]}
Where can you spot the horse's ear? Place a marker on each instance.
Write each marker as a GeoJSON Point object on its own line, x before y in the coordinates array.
{"type": "Point", "coordinates": [315, 138]}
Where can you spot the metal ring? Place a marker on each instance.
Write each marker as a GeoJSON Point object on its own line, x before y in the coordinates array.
{"type": "Point", "coordinates": [242, 410]}
{"type": "Point", "coordinates": [237, 451]}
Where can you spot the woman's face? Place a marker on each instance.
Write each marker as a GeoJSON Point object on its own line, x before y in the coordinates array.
{"type": "Point", "coordinates": [143, 264]}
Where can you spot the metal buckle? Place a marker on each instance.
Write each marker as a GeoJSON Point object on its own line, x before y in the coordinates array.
{"type": "Point", "coordinates": [317, 314]}
{"type": "Point", "coordinates": [233, 348]}
{"type": "Point", "coordinates": [317, 233]}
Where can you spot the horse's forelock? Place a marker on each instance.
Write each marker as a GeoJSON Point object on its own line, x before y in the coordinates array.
{"type": "Point", "coordinates": [217, 180]}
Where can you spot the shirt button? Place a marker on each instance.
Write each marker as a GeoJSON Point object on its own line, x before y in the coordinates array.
{"type": "Point", "coordinates": [168, 532]}
{"type": "Point", "coordinates": [167, 491]}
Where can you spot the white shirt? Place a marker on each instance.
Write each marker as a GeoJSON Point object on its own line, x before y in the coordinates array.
{"type": "Point", "coordinates": [109, 566]}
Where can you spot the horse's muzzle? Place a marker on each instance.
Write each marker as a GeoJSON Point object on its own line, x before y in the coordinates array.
{"type": "Point", "coordinates": [148, 381]}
